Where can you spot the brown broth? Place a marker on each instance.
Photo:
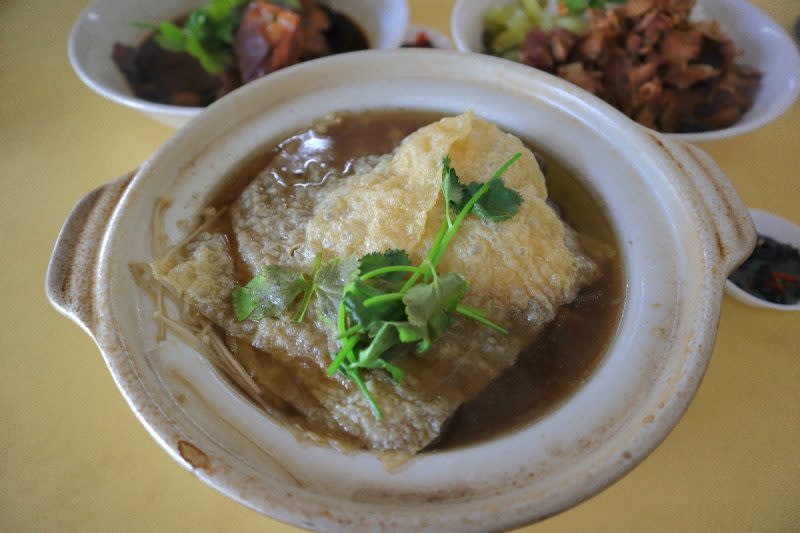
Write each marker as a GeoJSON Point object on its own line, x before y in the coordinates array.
{"type": "Point", "coordinates": [567, 351]}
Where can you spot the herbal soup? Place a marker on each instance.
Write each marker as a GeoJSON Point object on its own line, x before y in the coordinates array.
{"type": "Point", "coordinates": [397, 281]}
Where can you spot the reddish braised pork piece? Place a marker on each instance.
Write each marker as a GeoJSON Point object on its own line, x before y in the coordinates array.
{"type": "Point", "coordinates": [649, 61]}
{"type": "Point", "coordinates": [267, 40]}
{"type": "Point", "coordinates": [271, 37]}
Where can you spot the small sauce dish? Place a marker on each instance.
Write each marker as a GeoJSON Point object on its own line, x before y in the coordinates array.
{"type": "Point", "coordinates": [776, 228]}
{"type": "Point", "coordinates": [436, 38]}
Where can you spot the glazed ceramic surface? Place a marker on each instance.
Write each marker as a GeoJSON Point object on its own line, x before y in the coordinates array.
{"type": "Point", "coordinates": [681, 229]}
{"type": "Point", "coordinates": [764, 45]}
{"type": "Point", "coordinates": [105, 22]}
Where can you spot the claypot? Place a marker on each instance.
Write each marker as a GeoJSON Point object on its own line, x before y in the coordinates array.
{"type": "Point", "coordinates": [682, 229]}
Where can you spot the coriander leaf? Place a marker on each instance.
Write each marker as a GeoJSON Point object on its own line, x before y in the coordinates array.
{"type": "Point", "coordinates": [405, 330]}
{"type": "Point", "coordinates": [208, 34]}
{"type": "Point", "coordinates": [386, 335]}
{"type": "Point", "coordinates": [270, 293]}
{"type": "Point", "coordinates": [452, 188]}
{"type": "Point", "coordinates": [170, 37]}
{"type": "Point", "coordinates": [498, 204]}
{"type": "Point", "coordinates": [449, 228]}
{"type": "Point", "coordinates": [408, 332]}
{"type": "Point", "coordinates": [385, 338]}
{"type": "Point", "coordinates": [428, 306]}
{"type": "Point", "coordinates": [328, 286]}
{"type": "Point", "coordinates": [359, 291]}
{"type": "Point", "coordinates": [377, 260]}
{"type": "Point", "coordinates": [221, 10]}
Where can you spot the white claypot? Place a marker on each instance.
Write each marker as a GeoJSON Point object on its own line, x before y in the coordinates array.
{"type": "Point", "coordinates": [681, 227]}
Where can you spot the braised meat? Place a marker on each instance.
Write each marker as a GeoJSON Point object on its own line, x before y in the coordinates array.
{"type": "Point", "coordinates": [647, 59]}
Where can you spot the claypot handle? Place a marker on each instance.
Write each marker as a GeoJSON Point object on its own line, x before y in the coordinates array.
{"type": "Point", "coordinates": [731, 232]}
{"type": "Point", "coordinates": [71, 272]}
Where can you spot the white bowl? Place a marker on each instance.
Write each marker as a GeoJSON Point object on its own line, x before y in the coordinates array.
{"type": "Point", "coordinates": [105, 22]}
{"type": "Point", "coordinates": [763, 43]}
{"type": "Point", "coordinates": [438, 39]}
{"type": "Point", "coordinates": [780, 229]}
{"type": "Point", "coordinates": [681, 230]}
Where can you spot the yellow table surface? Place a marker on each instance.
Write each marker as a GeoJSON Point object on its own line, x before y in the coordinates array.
{"type": "Point", "coordinates": [74, 457]}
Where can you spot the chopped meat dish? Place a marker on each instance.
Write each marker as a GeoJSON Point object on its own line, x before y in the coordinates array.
{"type": "Point", "coordinates": [206, 55]}
{"type": "Point", "coordinates": [650, 61]}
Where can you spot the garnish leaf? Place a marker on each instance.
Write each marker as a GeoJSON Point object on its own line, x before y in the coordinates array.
{"type": "Point", "coordinates": [328, 286]}
{"type": "Point", "coordinates": [170, 37]}
{"type": "Point", "coordinates": [428, 306]}
{"type": "Point", "coordinates": [452, 189]}
{"type": "Point", "coordinates": [497, 204]}
{"type": "Point", "coordinates": [208, 34]}
{"type": "Point", "coordinates": [355, 296]}
{"type": "Point", "coordinates": [385, 338]}
{"type": "Point", "coordinates": [270, 293]}
{"type": "Point", "coordinates": [377, 260]}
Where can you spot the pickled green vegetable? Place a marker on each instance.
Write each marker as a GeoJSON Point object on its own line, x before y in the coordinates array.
{"type": "Point", "coordinates": [507, 25]}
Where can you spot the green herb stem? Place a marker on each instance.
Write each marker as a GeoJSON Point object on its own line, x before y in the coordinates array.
{"type": "Point", "coordinates": [355, 330]}
{"type": "Point", "coordinates": [478, 316]}
{"type": "Point", "coordinates": [381, 298]}
{"type": "Point", "coordinates": [342, 319]}
{"type": "Point", "coordinates": [346, 352]}
{"type": "Point", "coordinates": [414, 277]}
{"type": "Point", "coordinates": [301, 313]}
{"type": "Point", "coordinates": [387, 270]}
{"type": "Point", "coordinates": [355, 375]}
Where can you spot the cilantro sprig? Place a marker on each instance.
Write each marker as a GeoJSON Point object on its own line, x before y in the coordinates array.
{"type": "Point", "coordinates": [209, 32]}
{"type": "Point", "coordinates": [381, 305]}
{"type": "Point", "coordinates": [578, 7]}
